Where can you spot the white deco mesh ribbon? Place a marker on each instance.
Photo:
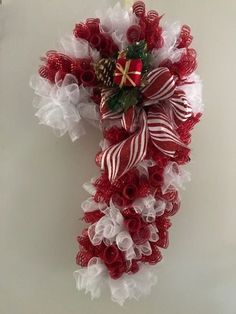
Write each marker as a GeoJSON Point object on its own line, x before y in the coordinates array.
{"type": "Point", "coordinates": [107, 228]}
{"type": "Point", "coordinates": [77, 48]}
{"type": "Point", "coordinates": [168, 51]}
{"type": "Point", "coordinates": [112, 25]}
{"type": "Point", "coordinates": [175, 176]}
{"type": "Point", "coordinates": [149, 207]}
{"type": "Point", "coordinates": [93, 278]}
{"type": "Point", "coordinates": [62, 105]}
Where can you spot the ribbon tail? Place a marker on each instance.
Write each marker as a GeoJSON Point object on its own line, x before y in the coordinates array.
{"type": "Point", "coordinates": [161, 130]}
{"type": "Point", "coordinates": [128, 119]}
{"type": "Point", "coordinates": [181, 108]}
{"type": "Point", "coordinates": [120, 158]}
{"type": "Point", "coordinates": [105, 112]}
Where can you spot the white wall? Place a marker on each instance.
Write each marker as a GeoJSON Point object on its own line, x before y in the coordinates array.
{"type": "Point", "coordinates": [41, 175]}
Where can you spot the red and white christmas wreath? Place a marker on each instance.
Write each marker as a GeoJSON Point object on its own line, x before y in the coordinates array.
{"type": "Point", "coordinates": [134, 78]}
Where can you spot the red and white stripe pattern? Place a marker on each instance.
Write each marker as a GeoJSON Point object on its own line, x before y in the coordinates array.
{"type": "Point", "coordinates": [181, 108]}
{"type": "Point", "coordinates": [139, 8]}
{"type": "Point", "coordinates": [161, 84]}
{"type": "Point", "coordinates": [161, 131]}
{"type": "Point", "coordinates": [128, 119]}
{"type": "Point", "coordinates": [106, 113]}
{"type": "Point", "coordinates": [120, 158]}
{"type": "Point", "coordinates": [153, 16]}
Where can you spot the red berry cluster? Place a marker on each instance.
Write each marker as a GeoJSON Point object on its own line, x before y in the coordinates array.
{"type": "Point", "coordinates": [90, 31]}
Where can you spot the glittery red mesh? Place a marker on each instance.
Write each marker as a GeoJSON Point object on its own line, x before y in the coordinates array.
{"type": "Point", "coordinates": [90, 31]}
{"type": "Point", "coordinates": [154, 258]}
{"type": "Point", "coordinates": [92, 217]}
{"type": "Point", "coordinates": [185, 39]}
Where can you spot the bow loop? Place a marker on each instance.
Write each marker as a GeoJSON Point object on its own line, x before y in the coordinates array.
{"type": "Point", "coordinates": [120, 158]}
{"type": "Point", "coordinates": [161, 130]}
{"type": "Point", "coordinates": [161, 85]}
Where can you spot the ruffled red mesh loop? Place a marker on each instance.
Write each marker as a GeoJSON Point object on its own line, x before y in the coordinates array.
{"type": "Point", "coordinates": [188, 63]}
{"type": "Point", "coordinates": [95, 41]}
{"type": "Point", "coordinates": [82, 31]}
{"type": "Point", "coordinates": [130, 191]}
{"type": "Point", "coordinates": [57, 65]}
{"type": "Point", "coordinates": [184, 67]}
{"type": "Point", "coordinates": [105, 42]}
{"type": "Point", "coordinates": [142, 235]}
{"type": "Point", "coordinates": [174, 209]}
{"type": "Point", "coordinates": [182, 156]}
{"type": "Point", "coordinates": [134, 268]}
{"type": "Point", "coordinates": [134, 33]}
{"type": "Point", "coordinates": [185, 39]}
{"type": "Point", "coordinates": [93, 25]}
{"type": "Point", "coordinates": [96, 97]}
{"type": "Point", "coordinates": [170, 195]}
{"type": "Point", "coordinates": [115, 135]}
{"type": "Point", "coordinates": [155, 256]}
{"type": "Point", "coordinates": [110, 254]}
{"type": "Point", "coordinates": [116, 272]}
{"type": "Point", "coordinates": [88, 78]}
{"type": "Point", "coordinates": [85, 243]}
{"type": "Point", "coordinates": [139, 8]}
{"type": "Point", "coordinates": [113, 49]}
{"type": "Point", "coordinates": [118, 200]}
{"type": "Point", "coordinates": [83, 258]}
{"type": "Point", "coordinates": [128, 212]}
{"type": "Point", "coordinates": [186, 127]}
{"type": "Point", "coordinates": [153, 17]}
{"type": "Point", "coordinates": [163, 223]}
{"type": "Point", "coordinates": [143, 189]}
{"type": "Point", "coordinates": [163, 240]}
{"type": "Point", "coordinates": [133, 224]}
{"type": "Point", "coordinates": [44, 73]}
{"type": "Point", "coordinates": [84, 64]}
{"type": "Point", "coordinates": [156, 176]}
{"type": "Point", "coordinates": [92, 217]}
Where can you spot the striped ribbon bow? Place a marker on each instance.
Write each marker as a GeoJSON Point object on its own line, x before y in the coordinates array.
{"type": "Point", "coordinates": [164, 108]}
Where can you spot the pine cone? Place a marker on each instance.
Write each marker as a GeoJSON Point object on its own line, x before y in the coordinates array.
{"type": "Point", "coordinates": [104, 70]}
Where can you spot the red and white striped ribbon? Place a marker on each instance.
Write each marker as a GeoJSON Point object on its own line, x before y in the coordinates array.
{"type": "Point", "coordinates": [120, 158]}
{"type": "Point", "coordinates": [106, 113]}
{"type": "Point", "coordinates": [128, 119]}
{"type": "Point", "coordinates": [161, 131]}
{"type": "Point", "coordinates": [161, 85]}
{"type": "Point", "coordinates": [180, 106]}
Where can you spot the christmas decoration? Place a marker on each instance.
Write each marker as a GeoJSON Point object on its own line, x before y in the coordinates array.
{"type": "Point", "coordinates": [135, 79]}
{"type": "Point", "coordinates": [104, 70]}
{"type": "Point", "coordinates": [128, 72]}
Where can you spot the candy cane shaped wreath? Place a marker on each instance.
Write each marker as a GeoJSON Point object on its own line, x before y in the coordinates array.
{"type": "Point", "coordinates": [134, 79]}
